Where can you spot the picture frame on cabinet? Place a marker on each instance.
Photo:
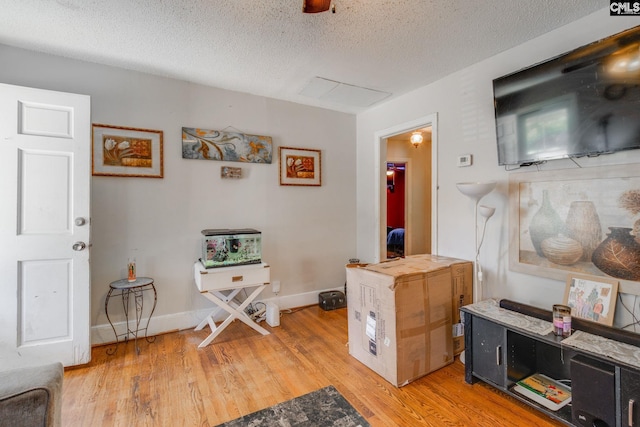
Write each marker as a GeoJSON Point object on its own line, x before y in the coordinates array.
{"type": "Point", "coordinates": [591, 298]}
{"type": "Point", "coordinates": [569, 221]}
{"type": "Point", "coordinates": [126, 151]}
{"type": "Point", "coordinates": [300, 166]}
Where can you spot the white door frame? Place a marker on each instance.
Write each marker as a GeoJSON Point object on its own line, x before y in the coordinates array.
{"type": "Point", "coordinates": [380, 184]}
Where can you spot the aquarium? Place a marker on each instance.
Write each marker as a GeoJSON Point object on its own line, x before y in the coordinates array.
{"type": "Point", "coordinates": [230, 247]}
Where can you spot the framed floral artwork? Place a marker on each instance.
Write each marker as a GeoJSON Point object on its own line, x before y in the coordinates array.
{"type": "Point", "coordinates": [208, 144]}
{"type": "Point", "coordinates": [124, 151]}
{"type": "Point", "coordinates": [591, 298]}
{"type": "Point", "coordinates": [300, 166]}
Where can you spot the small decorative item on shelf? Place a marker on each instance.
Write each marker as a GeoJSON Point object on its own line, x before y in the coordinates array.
{"type": "Point", "coordinates": [591, 298]}
{"type": "Point", "coordinates": [561, 320]}
{"type": "Point", "coordinates": [131, 270]}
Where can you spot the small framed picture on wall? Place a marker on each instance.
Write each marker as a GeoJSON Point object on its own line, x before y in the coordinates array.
{"type": "Point", "coordinates": [300, 166]}
{"type": "Point", "coordinates": [124, 151]}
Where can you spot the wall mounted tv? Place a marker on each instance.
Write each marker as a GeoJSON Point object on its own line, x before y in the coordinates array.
{"type": "Point", "coordinates": [582, 103]}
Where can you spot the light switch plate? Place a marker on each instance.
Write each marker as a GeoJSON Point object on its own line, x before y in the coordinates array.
{"type": "Point", "coordinates": [464, 160]}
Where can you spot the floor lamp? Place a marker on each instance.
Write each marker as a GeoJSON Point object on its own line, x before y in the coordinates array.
{"type": "Point", "coordinates": [476, 191]}
{"type": "Point", "coordinates": [485, 212]}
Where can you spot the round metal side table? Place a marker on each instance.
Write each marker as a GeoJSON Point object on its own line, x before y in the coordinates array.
{"type": "Point", "coordinates": [125, 289]}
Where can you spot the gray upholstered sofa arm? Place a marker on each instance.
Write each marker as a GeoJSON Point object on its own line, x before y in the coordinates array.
{"type": "Point", "coordinates": [31, 396]}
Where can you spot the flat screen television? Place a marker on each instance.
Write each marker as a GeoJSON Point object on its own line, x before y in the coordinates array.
{"type": "Point", "coordinates": [583, 103]}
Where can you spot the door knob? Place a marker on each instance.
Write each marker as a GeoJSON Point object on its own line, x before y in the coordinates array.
{"type": "Point", "coordinates": [78, 246]}
{"type": "Point", "coordinates": [80, 221]}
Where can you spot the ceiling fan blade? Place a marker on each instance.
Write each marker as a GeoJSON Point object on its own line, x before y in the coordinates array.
{"type": "Point", "coordinates": [315, 6]}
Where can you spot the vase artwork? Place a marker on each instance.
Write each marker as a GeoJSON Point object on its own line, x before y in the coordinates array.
{"type": "Point", "coordinates": [546, 223]}
{"type": "Point", "coordinates": [583, 226]}
{"type": "Point", "coordinates": [584, 221]}
{"type": "Point", "coordinates": [562, 250]}
{"type": "Point", "coordinates": [630, 201]}
{"type": "Point", "coordinates": [618, 254]}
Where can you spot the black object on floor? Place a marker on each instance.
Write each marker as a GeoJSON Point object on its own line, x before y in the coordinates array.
{"type": "Point", "coordinates": [331, 300]}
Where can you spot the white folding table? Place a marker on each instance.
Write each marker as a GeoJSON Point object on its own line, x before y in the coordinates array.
{"type": "Point", "coordinates": [221, 285]}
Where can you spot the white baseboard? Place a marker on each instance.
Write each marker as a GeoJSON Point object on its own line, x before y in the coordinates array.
{"type": "Point", "coordinates": [298, 300]}
{"type": "Point", "coordinates": [103, 334]}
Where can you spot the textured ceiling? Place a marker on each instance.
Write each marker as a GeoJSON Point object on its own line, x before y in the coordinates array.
{"type": "Point", "coordinates": [270, 48]}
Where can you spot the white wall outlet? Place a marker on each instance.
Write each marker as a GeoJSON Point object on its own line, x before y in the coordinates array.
{"type": "Point", "coordinates": [464, 160]}
{"type": "Point", "coordinates": [275, 286]}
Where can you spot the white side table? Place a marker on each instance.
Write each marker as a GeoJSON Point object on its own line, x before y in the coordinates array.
{"type": "Point", "coordinates": [221, 285]}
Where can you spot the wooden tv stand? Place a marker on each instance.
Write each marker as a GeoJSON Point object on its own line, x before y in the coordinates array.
{"type": "Point", "coordinates": [503, 346]}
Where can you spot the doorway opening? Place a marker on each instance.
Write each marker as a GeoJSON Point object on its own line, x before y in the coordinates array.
{"type": "Point", "coordinates": [396, 208]}
{"type": "Point", "coordinates": [395, 149]}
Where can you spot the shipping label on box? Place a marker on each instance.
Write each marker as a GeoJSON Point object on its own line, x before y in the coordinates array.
{"type": "Point", "coordinates": [373, 323]}
{"type": "Point", "coordinates": [371, 333]}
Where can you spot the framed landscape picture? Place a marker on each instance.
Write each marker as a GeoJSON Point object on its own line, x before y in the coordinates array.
{"type": "Point", "coordinates": [125, 151]}
{"type": "Point", "coordinates": [300, 166]}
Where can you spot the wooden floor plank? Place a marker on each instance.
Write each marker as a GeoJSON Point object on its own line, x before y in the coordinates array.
{"type": "Point", "coordinates": [172, 382]}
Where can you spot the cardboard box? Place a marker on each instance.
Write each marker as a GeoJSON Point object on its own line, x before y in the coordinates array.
{"type": "Point", "coordinates": [462, 287]}
{"type": "Point", "coordinates": [462, 291]}
{"type": "Point", "coordinates": [400, 316]}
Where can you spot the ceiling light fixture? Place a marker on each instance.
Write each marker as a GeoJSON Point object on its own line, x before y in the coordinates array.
{"type": "Point", "coordinates": [315, 6]}
{"type": "Point", "coordinates": [627, 62]}
{"type": "Point", "coordinates": [416, 139]}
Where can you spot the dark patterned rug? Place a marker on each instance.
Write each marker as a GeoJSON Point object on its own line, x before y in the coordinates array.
{"type": "Point", "coordinates": [321, 408]}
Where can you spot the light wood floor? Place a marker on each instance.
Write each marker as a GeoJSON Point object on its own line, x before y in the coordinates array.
{"type": "Point", "coordinates": [173, 383]}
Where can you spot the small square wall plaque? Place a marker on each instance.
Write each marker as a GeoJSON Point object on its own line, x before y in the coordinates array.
{"type": "Point", "coordinates": [229, 172]}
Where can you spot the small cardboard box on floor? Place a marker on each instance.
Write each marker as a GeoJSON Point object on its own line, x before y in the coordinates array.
{"type": "Point", "coordinates": [400, 315]}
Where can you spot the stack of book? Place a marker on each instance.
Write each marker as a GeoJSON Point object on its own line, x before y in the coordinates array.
{"type": "Point", "coordinates": [544, 390]}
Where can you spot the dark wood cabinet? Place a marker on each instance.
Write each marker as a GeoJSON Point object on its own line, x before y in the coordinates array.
{"type": "Point", "coordinates": [629, 398]}
{"type": "Point", "coordinates": [487, 353]}
{"type": "Point", "coordinates": [504, 347]}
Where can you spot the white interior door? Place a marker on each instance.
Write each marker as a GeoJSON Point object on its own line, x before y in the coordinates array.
{"type": "Point", "coordinates": [45, 173]}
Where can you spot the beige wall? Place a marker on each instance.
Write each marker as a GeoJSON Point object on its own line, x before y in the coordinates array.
{"type": "Point", "coordinates": [308, 232]}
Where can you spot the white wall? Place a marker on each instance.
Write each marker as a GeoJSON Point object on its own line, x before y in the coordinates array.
{"type": "Point", "coordinates": [463, 102]}
{"type": "Point", "coordinates": [308, 232]}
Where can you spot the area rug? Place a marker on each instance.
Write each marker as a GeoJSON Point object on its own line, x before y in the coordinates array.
{"type": "Point", "coordinates": [321, 408]}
